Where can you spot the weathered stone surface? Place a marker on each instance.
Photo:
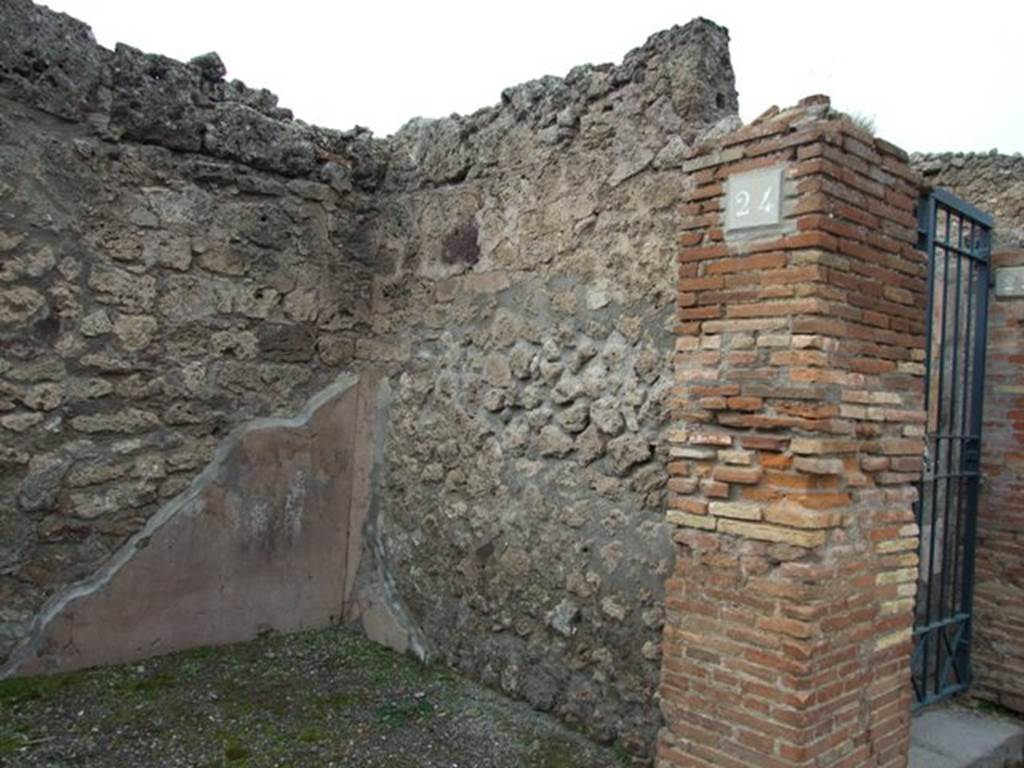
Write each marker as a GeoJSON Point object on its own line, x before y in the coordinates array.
{"type": "Point", "coordinates": [552, 441]}
{"type": "Point", "coordinates": [613, 608]}
{"type": "Point", "coordinates": [19, 304]}
{"type": "Point", "coordinates": [21, 421]}
{"type": "Point", "coordinates": [135, 332]}
{"type": "Point", "coordinates": [590, 445]}
{"type": "Point", "coordinates": [224, 261]}
{"type": "Point", "coordinates": [43, 368]}
{"type": "Point", "coordinates": [129, 420]}
{"type": "Point", "coordinates": [95, 504]}
{"type": "Point", "coordinates": [96, 323]}
{"type": "Point", "coordinates": [496, 370]}
{"type": "Point", "coordinates": [286, 343]}
{"type": "Point", "coordinates": [43, 397]}
{"type": "Point", "coordinates": [117, 286]}
{"type": "Point", "coordinates": [166, 251]}
{"type": "Point", "coordinates": [606, 415]}
{"type": "Point", "coordinates": [992, 182]}
{"type": "Point", "coordinates": [34, 264]}
{"type": "Point", "coordinates": [40, 486]}
{"type": "Point", "coordinates": [574, 419]}
{"type": "Point", "coordinates": [626, 450]}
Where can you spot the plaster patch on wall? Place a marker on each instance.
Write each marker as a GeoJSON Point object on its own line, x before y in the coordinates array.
{"type": "Point", "coordinates": [65, 636]}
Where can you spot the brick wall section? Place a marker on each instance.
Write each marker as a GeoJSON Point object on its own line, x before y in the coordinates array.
{"type": "Point", "coordinates": [997, 649]}
{"type": "Point", "coordinates": [798, 436]}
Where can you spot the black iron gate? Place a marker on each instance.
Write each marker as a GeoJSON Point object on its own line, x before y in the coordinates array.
{"type": "Point", "coordinates": [956, 236]}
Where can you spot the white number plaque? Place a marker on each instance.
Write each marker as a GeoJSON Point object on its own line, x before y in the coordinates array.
{"type": "Point", "coordinates": [1010, 282]}
{"type": "Point", "coordinates": [753, 199]}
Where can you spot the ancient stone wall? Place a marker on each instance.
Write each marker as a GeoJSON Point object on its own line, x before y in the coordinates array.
{"type": "Point", "coordinates": [176, 260]}
{"type": "Point", "coordinates": [995, 184]}
{"type": "Point", "coordinates": [990, 181]}
{"type": "Point", "coordinates": [523, 486]}
{"type": "Point", "coordinates": [180, 256]}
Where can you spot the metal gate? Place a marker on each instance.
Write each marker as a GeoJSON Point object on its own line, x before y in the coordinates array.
{"type": "Point", "coordinates": [956, 236]}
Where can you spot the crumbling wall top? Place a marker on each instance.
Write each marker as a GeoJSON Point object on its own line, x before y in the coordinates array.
{"type": "Point", "coordinates": [51, 61]}
{"type": "Point", "coordinates": [679, 81]}
{"type": "Point", "coordinates": [647, 111]}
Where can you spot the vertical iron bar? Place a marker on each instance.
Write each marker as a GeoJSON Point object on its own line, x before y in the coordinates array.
{"type": "Point", "coordinates": [977, 399]}
{"type": "Point", "coordinates": [939, 403]}
{"type": "Point", "coordinates": [964, 426]}
{"type": "Point", "coordinates": [954, 398]}
{"type": "Point", "coordinates": [928, 216]}
{"type": "Point", "coordinates": [926, 230]}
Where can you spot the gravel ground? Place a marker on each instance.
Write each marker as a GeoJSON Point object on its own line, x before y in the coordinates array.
{"type": "Point", "coordinates": [327, 698]}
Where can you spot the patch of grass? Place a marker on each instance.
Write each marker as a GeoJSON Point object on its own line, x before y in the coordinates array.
{"type": "Point", "coordinates": [235, 750]}
{"type": "Point", "coordinates": [12, 742]}
{"type": "Point", "coordinates": [150, 683]}
{"type": "Point", "coordinates": [274, 699]}
{"type": "Point", "coordinates": [191, 668]}
{"type": "Point", "coordinates": [126, 717]}
{"type": "Point", "coordinates": [396, 714]}
{"type": "Point", "coordinates": [622, 754]}
{"type": "Point", "coordinates": [860, 121]}
{"type": "Point", "coordinates": [206, 653]}
{"type": "Point", "coordinates": [554, 754]}
{"type": "Point", "coordinates": [994, 708]}
{"type": "Point", "coordinates": [371, 658]}
{"type": "Point", "coordinates": [229, 691]}
{"type": "Point", "coordinates": [304, 700]}
{"type": "Point", "coordinates": [336, 702]}
{"type": "Point", "coordinates": [18, 690]}
{"type": "Point", "coordinates": [313, 735]}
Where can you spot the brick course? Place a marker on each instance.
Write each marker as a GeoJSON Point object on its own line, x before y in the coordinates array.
{"type": "Point", "coordinates": [798, 395]}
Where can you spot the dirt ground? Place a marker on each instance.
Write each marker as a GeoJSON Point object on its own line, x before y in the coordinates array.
{"type": "Point", "coordinates": [326, 698]}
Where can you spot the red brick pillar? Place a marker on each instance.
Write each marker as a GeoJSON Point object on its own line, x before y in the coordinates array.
{"type": "Point", "coordinates": [997, 645]}
{"type": "Point", "coordinates": [798, 437]}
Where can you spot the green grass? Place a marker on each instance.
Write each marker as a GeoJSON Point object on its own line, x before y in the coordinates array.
{"type": "Point", "coordinates": [862, 121]}
{"type": "Point", "coordinates": [252, 705]}
{"type": "Point", "coordinates": [19, 690]}
{"type": "Point", "coordinates": [383, 665]}
{"type": "Point", "coordinates": [149, 684]}
{"type": "Point", "coordinates": [396, 714]}
{"type": "Point", "coordinates": [624, 755]}
{"type": "Point", "coordinates": [235, 750]}
{"type": "Point", "coordinates": [994, 708]}
{"type": "Point", "coordinates": [335, 702]}
{"type": "Point", "coordinates": [12, 742]}
{"type": "Point", "coordinates": [311, 734]}
{"type": "Point", "coordinates": [554, 754]}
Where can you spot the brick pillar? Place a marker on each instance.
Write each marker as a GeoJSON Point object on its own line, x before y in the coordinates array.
{"type": "Point", "coordinates": [997, 646]}
{"type": "Point", "coordinates": [798, 437]}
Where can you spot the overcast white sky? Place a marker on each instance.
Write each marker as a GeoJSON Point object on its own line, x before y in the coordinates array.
{"type": "Point", "coordinates": [934, 75]}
